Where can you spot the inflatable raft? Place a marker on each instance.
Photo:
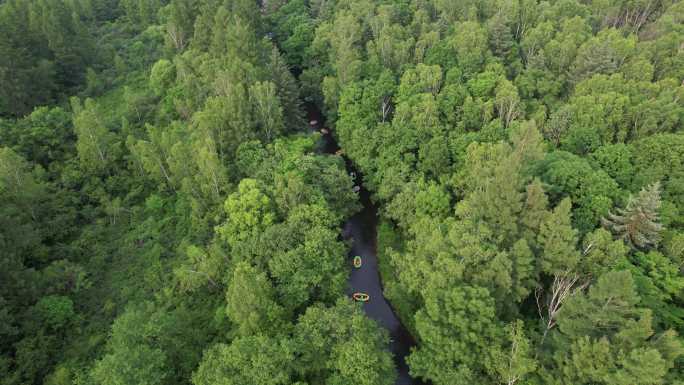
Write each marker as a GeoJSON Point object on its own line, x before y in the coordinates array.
{"type": "Point", "coordinates": [360, 297]}
{"type": "Point", "coordinates": [357, 261]}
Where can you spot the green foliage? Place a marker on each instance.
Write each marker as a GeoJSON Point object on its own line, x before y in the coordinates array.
{"type": "Point", "coordinates": [249, 211]}
{"type": "Point", "coordinates": [247, 360]}
{"type": "Point", "coordinates": [250, 302]}
{"type": "Point", "coordinates": [44, 137]}
{"type": "Point", "coordinates": [592, 191]}
{"type": "Point", "coordinates": [162, 76]}
{"type": "Point", "coordinates": [141, 13]}
{"type": "Point", "coordinates": [310, 264]}
{"type": "Point", "coordinates": [457, 329]}
{"type": "Point", "coordinates": [340, 345]}
{"type": "Point", "coordinates": [616, 160]}
{"type": "Point", "coordinates": [167, 216]}
{"type": "Point", "coordinates": [606, 338]}
{"type": "Point", "coordinates": [23, 194]}
{"type": "Point", "coordinates": [294, 30]}
{"type": "Point", "coordinates": [55, 311]}
{"type": "Point", "coordinates": [45, 48]}
{"type": "Point", "coordinates": [469, 46]}
{"type": "Point", "coordinates": [134, 355]}
{"type": "Point", "coordinates": [138, 364]}
{"type": "Point", "coordinates": [444, 140]}
{"type": "Point", "coordinates": [516, 361]}
{"type": "Point", "coordinates": [558, 239]}
{"type": "Point", "coordinates": [638, 223]}
{"type": "Point", "coordinates": [659, 284]}
{"type": "Point", "coordinates": [96, 144]}
{"type": "Point", "coordinates": [658, 158]}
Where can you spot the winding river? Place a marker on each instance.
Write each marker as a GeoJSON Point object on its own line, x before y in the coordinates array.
{"type": "Point", "coordinates": [361, 231]}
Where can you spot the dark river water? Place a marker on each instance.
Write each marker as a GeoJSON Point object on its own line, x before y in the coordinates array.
{"type": "Point", "coordinates": [361, 231]}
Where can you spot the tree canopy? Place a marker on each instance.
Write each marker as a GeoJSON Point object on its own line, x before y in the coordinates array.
{"type": "Point", "coordinates": [173, 209]}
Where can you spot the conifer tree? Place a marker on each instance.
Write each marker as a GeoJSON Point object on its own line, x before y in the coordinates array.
{"type": "Point", "coordinates": [287, 90]}
{"type": "Point", "coordinates": [558, 240]}
{"type": "Point", "coordinates": [638, 223]}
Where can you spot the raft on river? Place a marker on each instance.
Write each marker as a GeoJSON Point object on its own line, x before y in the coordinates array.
{"type": "Point", "coordinates": [360, 297]}
{"type": "Point", "coordinates": [357, 261]}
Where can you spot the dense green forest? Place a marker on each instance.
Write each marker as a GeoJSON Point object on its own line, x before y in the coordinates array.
{"type": "Point", "coordinates": [167, 216]}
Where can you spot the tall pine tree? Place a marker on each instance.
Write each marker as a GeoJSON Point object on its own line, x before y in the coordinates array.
{"type": "Point", "coordinates": [638, 223]}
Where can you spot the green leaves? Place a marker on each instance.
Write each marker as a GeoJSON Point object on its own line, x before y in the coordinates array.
{"type": "Point", "coordinates": [55, 311]}
{"type": "Point", "coordinates": [45, 136]}
{"type": "Point", "coordinates": [136, 364]}
{"type": "Point", "coordinates": [219, 221]}
{"type": "Point", "coordinates": [249, 211]}
{"type": "Point", "coordinates": [162, 76]}
{"type": "Point", "coordinates": [44, 51]}
{"type": "Point", "coordinates": [309, 263]}
{"type": "Point", "coordinates": [592, 191]}
{"type": "Point", "coordinates": [332, 345]}
{"type": "Point", "coordinates": [606, 339]}
{"type": "Point", "coordinates": [470, 46]}
{"type": "Point", "coordinates": [97, 146]}
{"type": "Point", "coordinates": [251, 302]}
{"type": "Point", "coordinates": [457, 328]}
{"type": "Point", "coordinates": [558, 241]}
{"type": "Point", "coordinates": [514, 361]}
{"type": "Point", "coordinates": [134, 354]}
{"type": "Point", "coordinates": [268, 112]}
{"type": "Point", "coordinates": [340, 345]}
{"type": "Point", "coordinates": [608, 307]}
{"type": "Point", "coordinates": [254, 360]}
{"type": "Point", "coordinates": [604, 53]}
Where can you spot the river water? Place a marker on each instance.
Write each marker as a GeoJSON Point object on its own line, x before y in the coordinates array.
{"type": "Point", "coordinates": [360, 230]}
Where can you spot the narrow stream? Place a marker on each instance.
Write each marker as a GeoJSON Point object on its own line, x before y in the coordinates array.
{"type": "Point", "coordinates": [361, 230]}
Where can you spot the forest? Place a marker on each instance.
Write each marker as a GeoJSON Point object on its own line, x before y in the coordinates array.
{"type": "Point", "coordinates": [170, 216]}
